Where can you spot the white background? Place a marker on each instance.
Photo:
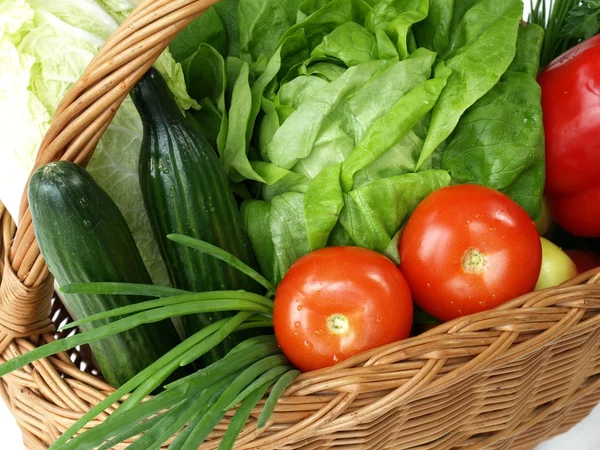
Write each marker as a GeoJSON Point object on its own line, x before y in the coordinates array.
{"type": "Point", "coordinates": [584, 436]}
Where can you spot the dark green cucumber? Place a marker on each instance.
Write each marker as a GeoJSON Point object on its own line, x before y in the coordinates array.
{"type": "Point", "coordinates": [186, 191]}
{"type": "Point", "coordinates": [84, 238]}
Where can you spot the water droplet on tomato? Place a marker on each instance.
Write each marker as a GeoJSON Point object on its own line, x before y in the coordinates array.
{"type": "Point", "coordinates": [297, 324]}
{"type": "Point", "coordinates": [319, 332]}
{"type": "Point", "coordinates": [299, 307]}
{"type": "Point", "coordinates": [428, 285]}
{"type": "Point", "coordinates": [308, 344]}
{"type": "Point", "coordinates": [335, 358]}
{"type": "Point", "coordinates": [295, 334]}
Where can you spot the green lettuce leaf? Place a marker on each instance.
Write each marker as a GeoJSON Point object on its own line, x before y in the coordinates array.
{"type": "Point", "coordinates": [342, 115]}
{"type": "Point", "coordinates": [261, 25]}
{"type": "Point", "coordinates": [500, 141]}
{"type": "Point", "coordinates": [372, 226]}
{"type": "Point", "coordinates": [477, 40]}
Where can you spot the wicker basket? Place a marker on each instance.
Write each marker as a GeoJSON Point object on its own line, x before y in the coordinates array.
{"type": "Point", "coordinates": [505, 379]}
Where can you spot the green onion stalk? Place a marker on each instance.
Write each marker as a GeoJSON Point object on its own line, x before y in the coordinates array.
{"type": "Point", "coordinates": [192, 406]}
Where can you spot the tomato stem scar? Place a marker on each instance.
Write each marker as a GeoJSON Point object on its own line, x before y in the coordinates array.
{"type": "Point", "coordinates": [474, 261]}
{"type": "Point", "coordinates": [338, 324]}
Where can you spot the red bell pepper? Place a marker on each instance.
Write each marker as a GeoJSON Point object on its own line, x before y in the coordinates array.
{"type": "Point", "coordinates": [571, 105]}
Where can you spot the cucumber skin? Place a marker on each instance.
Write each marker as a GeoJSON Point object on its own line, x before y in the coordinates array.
{"type": "Point", "coordinates": [186, 191]}
{"type": "Point", "coordinates": [83, 237]}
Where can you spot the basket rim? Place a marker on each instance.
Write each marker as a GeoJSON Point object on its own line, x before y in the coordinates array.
{"type": "Point", "coordinates": [493, 334]}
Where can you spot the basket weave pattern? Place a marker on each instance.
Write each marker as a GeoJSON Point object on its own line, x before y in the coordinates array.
{"type": "Point", "coordinates": [505, 379]}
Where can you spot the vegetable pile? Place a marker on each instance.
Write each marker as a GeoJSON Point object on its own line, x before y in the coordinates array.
{"type": "Point", "coordinates": [344, 115]}
{"type": "Point", "coordinates": [298, 182]}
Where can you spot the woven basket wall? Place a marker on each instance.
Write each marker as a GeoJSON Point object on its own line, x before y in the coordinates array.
{"type": "Point", "coordinates": [505, 379]}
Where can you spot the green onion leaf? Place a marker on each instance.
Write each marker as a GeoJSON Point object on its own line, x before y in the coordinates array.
{"type": "Point", "coordinates": [276, 393]}
{"type": "Point", "coordinates": [268, 377]}
{"type": "Point", "coordinates": [241, 416]}
{"type": "Point", "coordinates": [94, 437]}
{"type": "Point", "coordinates": [146, 377]}
{"type": "Point", "coordinates": [231, 363]}
{"type": "Point", "coordinates": [142, 290]}
{"type": "Point", "coordinates": [216, 297]}
{"type": "Point", "coordinates": [175, 419]}
{"type": "Point", "coordinates": [224, 256]}
{"type": "Point", "coordinates": [131, 432]}
{"type": "Point", "coordinates": [196, 352]}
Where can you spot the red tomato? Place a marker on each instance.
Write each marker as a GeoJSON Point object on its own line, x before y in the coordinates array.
{"type": "Point", "coordinates": [571, 104]}
{"type": "Point", "coordinates": [584, 259]}
{"type": "Point", "coordinates": [467, 249]}
{"type": "Point", "coordinates": [337, 302]}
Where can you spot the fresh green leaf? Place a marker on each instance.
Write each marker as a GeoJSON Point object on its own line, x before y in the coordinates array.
{"type": "Point", "coordinates": [296, 137]}
{"type": "Point", "coordinates": [395, 18]}
{"type": "Point", "coordinates": [323, 203]}
{"type": "Point", "coordinates": [583, 21]}
{"type": "Point", "coordinates": [150, 377]}
{"type": "Point", "coordinates": [372, 226]}
{"type": "Point", "coordinates": [224, 256]}
{"type": "Point", "coordinates": [288, 230]}
{"type": "Point", "coordinates": [280, 386]}
{"type": "Point", "coordinates": [206, 122]}
{"type": "Point", "coordinates": [262, 23]}
{"type": "Point", "coordinates": [94, 437]}
{"type": "Point", "coordinates": [204, 71]}
{"type": "Point", "coordinates": [170, 423]}
{"type": "Point", "coordinates": [208, 29]}
{"type": "Point", "coordinates": [322, 17]}
{"type": "Point", "coordinates": [102, 288]}
{"type": "Point", "coordinates": [392, 249]}
{"type": "Point", "coordinates": [131, 432]}
{"type": "Point", "coordinates": [234, 156]}
{"type": "Point", "coordinates": [228, 12]}
{"type": "Point", "coordinates": [350, 43]}
{"type": "Point", "coordinates": [241, 416]}
{"type": "Point", "coordinates": [257, 215]}
{"type": "Point", "coordinates": [267, 377]}
{"type": "Point", "coordinates": [478, 47]}
{"type": "Point", "coordinates": [45, 46]}
{"type": "Point", "coordinates": [401, 158]}
{"type": "Point", "coordinates": [500, 141]}
{"type": "Point", "coordinates": [416, 100]}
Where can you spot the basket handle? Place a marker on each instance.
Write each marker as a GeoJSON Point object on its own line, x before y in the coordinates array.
{"type": "Point", "coordinates": [78, 124]}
